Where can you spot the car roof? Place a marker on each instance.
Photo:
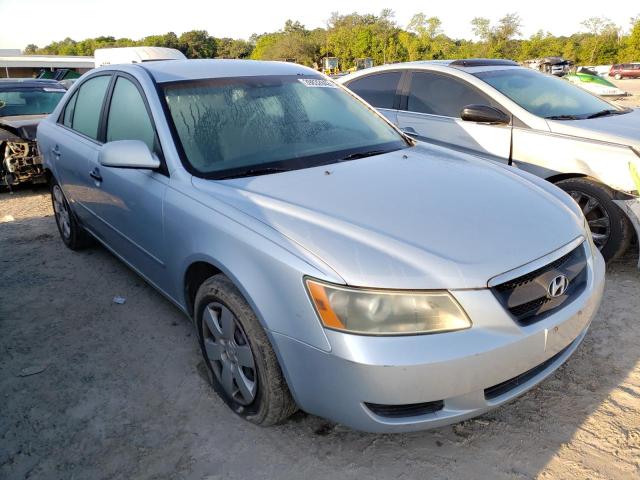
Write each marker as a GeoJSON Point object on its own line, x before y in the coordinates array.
{"type": "Point", "coordinates": [177, 70]}
{"type": "Point", "coordinates": [9, 83]}
{"type": "Point", "coordinates": [470, 62]}
{"type": "Point", "coordinates": [470, 65]}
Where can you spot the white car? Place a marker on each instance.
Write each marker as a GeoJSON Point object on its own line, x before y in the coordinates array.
{"type": "Point", "coordinates": [585, 145]}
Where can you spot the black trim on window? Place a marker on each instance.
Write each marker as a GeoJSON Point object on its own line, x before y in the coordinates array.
{"type": "Point", "coordinates": [403, 90]}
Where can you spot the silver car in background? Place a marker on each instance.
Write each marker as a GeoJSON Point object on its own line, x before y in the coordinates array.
{"type": "Point", "coordinates": [542, 124]}
{"type": "Point", "coordinates": [329, 263]}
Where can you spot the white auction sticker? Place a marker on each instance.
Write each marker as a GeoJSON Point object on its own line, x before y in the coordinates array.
{"type": "Point", "coordinates": [317, 82]}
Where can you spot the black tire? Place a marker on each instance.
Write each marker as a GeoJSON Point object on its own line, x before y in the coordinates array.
{"type": "Point", "coordinates": [72, 234]}
{"type": "Point", "coordinates": [620, 230]}
{"type": "Point", "coordinates": [273, 402]}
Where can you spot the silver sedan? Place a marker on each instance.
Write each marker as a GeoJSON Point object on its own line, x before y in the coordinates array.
{"type": "Point", "coordinates": [329, 262]}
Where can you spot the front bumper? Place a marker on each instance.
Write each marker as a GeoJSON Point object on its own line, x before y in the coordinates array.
{"type": "Point", "coordinates": [454, 368]}
{"type": "Point", "coordinates": [631, 208]}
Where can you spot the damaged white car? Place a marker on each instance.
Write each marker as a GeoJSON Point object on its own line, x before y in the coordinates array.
{"type": "Point", "coordinates": [23, 103]}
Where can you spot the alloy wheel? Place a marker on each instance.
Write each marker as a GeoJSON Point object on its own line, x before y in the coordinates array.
{"type": "Point", "coordinates": [597, 217]}
{"type": "Point", "coordinates": [229, 353]}
{"type": "Point", "coordinates": [61, 210]}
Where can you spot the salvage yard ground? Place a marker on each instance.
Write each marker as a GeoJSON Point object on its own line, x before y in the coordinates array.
{"type": "Point", "coordinates": [630, 86]}
{"type": "Point", "coordinates": [92, 389]}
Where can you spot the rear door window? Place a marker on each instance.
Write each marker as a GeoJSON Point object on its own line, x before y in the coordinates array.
{"type": "Point", "coordinates": [379, 89]}
{"type": "Point", "coordinates": [88, 106]}
{"type": "Point", "coordinates": [441, 95]}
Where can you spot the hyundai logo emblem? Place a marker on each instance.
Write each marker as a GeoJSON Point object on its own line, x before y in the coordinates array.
{"type": "Point", "coordinates": [558, 286]}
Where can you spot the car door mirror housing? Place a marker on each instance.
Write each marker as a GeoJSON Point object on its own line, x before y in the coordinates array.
{"type": "Point", "coordinates": [484, 114]}
{"type": "Point", "coordinates": [127, 154]}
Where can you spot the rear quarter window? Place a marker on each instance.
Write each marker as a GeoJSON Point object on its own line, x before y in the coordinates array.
{"type": "Point", "coordinates": [378, 89]}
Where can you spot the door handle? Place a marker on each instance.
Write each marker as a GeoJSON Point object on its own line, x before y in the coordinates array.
{"type": "Point", "coordinates": [95, 174]}
{"type": "Point", "coordinates": [56, 151]}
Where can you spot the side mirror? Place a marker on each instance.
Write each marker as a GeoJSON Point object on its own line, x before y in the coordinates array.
{"type": "Point", "coordinates": [484, 114]}
{"type": "Point", "coordinates": [127, 154]}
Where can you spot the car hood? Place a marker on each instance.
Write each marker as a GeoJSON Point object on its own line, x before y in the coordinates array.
{"type": "Point", "coordinates": [623, 129]}
{"type": "Point", "coordinates": [23, 126]}
{"type": "Point", "coordinates": [419, 218]}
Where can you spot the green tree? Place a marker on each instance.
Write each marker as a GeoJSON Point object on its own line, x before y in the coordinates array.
{"type": "Point", "coordinates": [631, 51]}
{"type": "Point", "coordinates": [197, 44]}
{"type": "Point", "coordinates": [499, 40]}
{"type": "Point", "coordinates": [351, 36]}
{"type": "Point", "coordinates": [601, 43]}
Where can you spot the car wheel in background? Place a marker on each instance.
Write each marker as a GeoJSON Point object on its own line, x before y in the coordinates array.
{"type": "Point", "coordinates": [611, 230]}
{"type": "Point", "coordinates": [618, 76]}
{"type": "Point", "coordinates": [243, 367]}
{"type": "Point", "coordinates": [73, 235]}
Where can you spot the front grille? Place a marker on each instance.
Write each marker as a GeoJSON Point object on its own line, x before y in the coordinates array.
{"type": "Point", "coordinates": [508, 385]}
{"type": "Point", "coordinates": [525, 297]}
{"type": "Point", "coordinates": [407, 410]}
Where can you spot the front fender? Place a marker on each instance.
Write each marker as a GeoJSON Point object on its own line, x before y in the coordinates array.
{"type": "Point", "coordinates": [269, 276]}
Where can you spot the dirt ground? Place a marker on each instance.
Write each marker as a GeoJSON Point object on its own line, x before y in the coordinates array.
{"type": "Point", "coordinates": [93, 389]}
{"type": "Point", "coordinates": [631, 86]}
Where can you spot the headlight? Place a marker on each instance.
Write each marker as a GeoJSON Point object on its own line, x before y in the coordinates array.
{"type": "Point", "coordinates": [382, 312]}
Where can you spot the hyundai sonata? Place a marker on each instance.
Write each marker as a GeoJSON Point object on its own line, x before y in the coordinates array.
{"type": "Point", "coordinates": [329, 263]}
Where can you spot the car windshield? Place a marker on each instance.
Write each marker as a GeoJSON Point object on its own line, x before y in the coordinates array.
{"type": "Point", "coordinates": [29, 101]}
{"type": "Point", "coordinates": [545, 95]}
{"type": "Point", "coordinates": [254, 125]}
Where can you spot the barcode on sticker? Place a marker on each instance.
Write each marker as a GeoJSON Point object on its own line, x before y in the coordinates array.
{"type": "Point", "coordinates": [317, 82]}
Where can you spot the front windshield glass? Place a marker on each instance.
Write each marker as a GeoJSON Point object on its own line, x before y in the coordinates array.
{"type": "Point", "coordinates": [29, 101]}
{"type": "Point", "coordinates": [251, 125]}
{"type": "Point", "coordinates": [545, 95]}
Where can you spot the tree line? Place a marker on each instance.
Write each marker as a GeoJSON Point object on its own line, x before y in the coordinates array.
{"type": "Point", "coordinates": [379, 37]}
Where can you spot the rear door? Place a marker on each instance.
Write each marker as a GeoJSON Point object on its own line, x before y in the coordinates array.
{"type": "Point", "coordinates": [75, 143]}
{"type": "Point", "coordinates": [430, 111]}
{"type": "Point", "coordinates": [381, 91]}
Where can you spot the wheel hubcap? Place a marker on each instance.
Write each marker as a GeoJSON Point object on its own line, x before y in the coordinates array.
{"type": "Point", "coordinates": [229, 353]}
{"type": "Point", "coordinates": [597, 217]}
{"type": "Point", "coordinates": [61, 211]}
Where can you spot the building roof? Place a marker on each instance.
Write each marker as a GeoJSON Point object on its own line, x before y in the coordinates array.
{"type": "Point", "coordinates": [10, 83]}
{"type": "Point", "coordinates": [46, 61]}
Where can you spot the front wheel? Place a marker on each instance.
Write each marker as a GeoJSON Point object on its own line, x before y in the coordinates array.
{"type": "Point", "coordinates": [618, 76]}
{"type": "Point", "coordinates": [610, 227]}
{"type": "Point", "coordinates": [243, 366]}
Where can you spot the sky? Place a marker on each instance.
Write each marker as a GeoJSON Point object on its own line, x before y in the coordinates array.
{"type": "Point", "coordinates": [43, 21]}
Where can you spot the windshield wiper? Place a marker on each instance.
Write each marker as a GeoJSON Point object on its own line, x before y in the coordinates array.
{"type": "Point", "coordinates": [254, 172]}
{"type": "Point", "coordinates": [605, 113]}
{"type": "Point", "coordinates": [562, 117]}
{"type": "Point", "coordinates": [369, 153]}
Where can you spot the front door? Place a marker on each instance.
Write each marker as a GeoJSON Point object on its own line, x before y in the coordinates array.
{"type": "Point", "coordinates": [432, 113]}
{"type": "Point", "coordinates": [127, 202]}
